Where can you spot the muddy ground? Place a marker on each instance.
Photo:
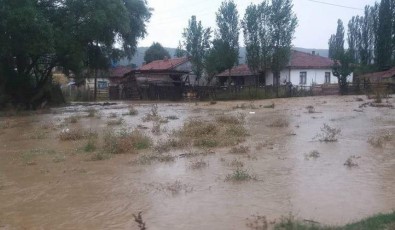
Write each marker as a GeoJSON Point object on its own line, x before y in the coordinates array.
{"type": "Point", "coordinates": [47, 183]}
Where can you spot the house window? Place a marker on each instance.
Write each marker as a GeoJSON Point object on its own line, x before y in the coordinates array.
{"type": "Point", "coordinates": [327, 77]}
{"type": "Point", "coordinates": [303, 78]}
{"type": "Point", "coordinates": [102, 85]}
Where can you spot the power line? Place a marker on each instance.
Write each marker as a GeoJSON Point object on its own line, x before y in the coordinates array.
{"type": "Point", "coordinates": [331, 4]}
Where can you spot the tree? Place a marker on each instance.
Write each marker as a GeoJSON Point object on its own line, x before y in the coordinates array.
{"type": "Point", "coordinates": [155, 52]}
{"type": "Point", "coordinates": [384, 35]}
{"type": "Point", "coordinates": [228, 31]}
{"type": "Point", "coordinates": [283, 22]}
{"type": "Point", "coordinates": [180, 52]}
{"type": "Point", "coordinates": [353, 39]}
{"type": "Point", "coordinates": [342, 59]}
{"type": "Point", "coordinates": [366, 38]}
{"type": "Point", "coordinates": [218, 58]}
{"type": "Point", "coordinates": [268, 33]}
{"type": "Point", "coordinates": [257, 37]}
{"type": "Point", "coordinates": [197, 43]}
{"type": "Point", "coordinates": [72, 34]}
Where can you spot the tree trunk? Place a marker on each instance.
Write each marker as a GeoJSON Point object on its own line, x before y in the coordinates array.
{"type": "Point", "coordinates": [95, 87]}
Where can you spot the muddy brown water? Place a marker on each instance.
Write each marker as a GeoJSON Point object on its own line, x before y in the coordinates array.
{"type": "Point", "coordinates": [49, 184]}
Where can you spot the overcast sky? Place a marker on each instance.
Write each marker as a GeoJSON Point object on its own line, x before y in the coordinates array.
{"type": "Point", "coordinates": [317, 21]}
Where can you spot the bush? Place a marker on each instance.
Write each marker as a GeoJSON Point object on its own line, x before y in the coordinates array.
{"type": "Point", "coordinates": [123, 142]}
{"type": "Point", "coordinates": [76, 134]}
{"type": "Point", "coordinates": [239, 175]}
{"type": "Point", "coordinates": [328, 134]}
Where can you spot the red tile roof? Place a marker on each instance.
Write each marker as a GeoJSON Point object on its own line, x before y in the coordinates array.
{"type": "Point", "coordinates": [309, 61]}
{"type": "Point", "coordinates": [299, 60]}
{"type": "Point", "coordinates": [378, 76]}
{"type": "Point", "coordinates": [120, 71]}
{"type": "Point", "coordinates": [168, 64]}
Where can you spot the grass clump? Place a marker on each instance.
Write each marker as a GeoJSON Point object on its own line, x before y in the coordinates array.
{"type": "Point", "coordinates": [91, 112]}
{"type": "Point", "coordinates": [380, 141]}
{"type": "Point", "coordinates": [147, 159]}
{"type": "Point", "coordinates": [76, 134]}
{"type": "Point", "coordinates": [328, 134]}
{"type": "Point", "coordinates": [72, 119]}
{"type": "Point", "coordinates": [377, 222]}
{"type": "Point", "coordinates": [350, 162]}
{"type": "Point", "coordinates": [90, 146]}
{"type": "Point", "coordinates": [226, 119]}
{"type": "Point", "coordinates": [240, 150]}
{"type": "Point", "coordinates": [312, 155]}
{"type": "Point", "coordinates": [118, 121]}
{"type": "Point", "coordinates": [100, 156]}
{"type": "Point", "coordinates": [125, 142]}
{"type": "Point", "coordinates": [169, 144]}
{"type": "Point", "coordinates": [132, 111]}
{"type": "Point", "coordinates": [38, 134]}
{"type": "Point", "coordinates": [220, 133]}
{"type": "Point", "coordinates": [153, 115]}
{"type": "Point", "coordinates": [279, 123]}
{"type": "Point", "coordinates": [28, 158]}
{"type": "Point", "coordinates": [240, 175]}
{"type": "Point", "coordinates": [176, 187]}
{"type": "Point", "coordinates": [236, 163]}
{"type": "Point", "coordinates": [198, 164]}
{"type": "Point", "coordinates": [310, 109]}
{"type": "Point", "coordinates": [172, 117]}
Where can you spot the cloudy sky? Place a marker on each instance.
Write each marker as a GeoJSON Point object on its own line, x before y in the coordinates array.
{"type": "Point", "coordinates": [317, 21]}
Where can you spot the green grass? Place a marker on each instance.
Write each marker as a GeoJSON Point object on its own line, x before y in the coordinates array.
{"type": "Point", "coordinates": [239, 175]}
{"type": "Point", "coordinates": [90, 146]}
{"type": "Point", "coordinates": [377, 222]}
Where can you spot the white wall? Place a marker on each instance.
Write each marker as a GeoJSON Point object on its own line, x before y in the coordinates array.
{"type": "Point", "coordinates": [313, 76]}
{"type": "Point", "coordinates": [284, 76]}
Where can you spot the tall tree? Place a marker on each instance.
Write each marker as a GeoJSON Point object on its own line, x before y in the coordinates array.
{"type": "Point", "coordinates": [283, 23]}
{"type": "Point", "coordinates": [342, 59]}
{"type": "Point", "coordinates": [384, 35]}
{"type": "Point", "coordinates": [268, 33]}
{"type": "Point", "coordinates": [228, 31]}
{"type": "Point", "coordinates": [366, 38]}
{"type": "Point", "coordinates": [353, 38]}
{"type": "Point", "coordinates": [40, 35]}
{"type": "Point", "coordinates": [197, 43]}
{"type": "Point", "coordinates": [155, 52]}
{"type": "Point", "coordinates": [180, 52]}
{"type": "Point", "coordinates": [218, 58]}
{"type": "Point", "coordinates": [257, 37]}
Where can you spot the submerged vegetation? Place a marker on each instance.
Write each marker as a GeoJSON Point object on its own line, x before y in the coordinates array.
{"type": "Point", "coordinates": [377, 222]}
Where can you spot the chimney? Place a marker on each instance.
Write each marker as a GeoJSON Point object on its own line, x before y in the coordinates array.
{"type": "Point", "coordinates": [313, 53]}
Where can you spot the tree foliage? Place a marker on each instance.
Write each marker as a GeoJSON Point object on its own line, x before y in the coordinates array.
{"type": "Point", "coordinates": [38, 35]}
{"type": "Point", "coordinates": [384, 34]}
{"type": "Point", "coordinates": [180, 52]}
{"type": "Point", "coordinates": [268, 32]}
{"type": "Point", "coordinates": [197, 44]}
{"type": "Point", "coordinates": [371, 37]}
{"type": "Point", "coordinates": [228, 31]}
{"type": "Point", "coordinates": [155, 52]}
{"type": "Point", "coordinates": [342, 58]}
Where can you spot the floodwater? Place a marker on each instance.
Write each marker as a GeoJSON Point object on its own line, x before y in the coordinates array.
{"type": "Point", "coordinates": [60, 188]}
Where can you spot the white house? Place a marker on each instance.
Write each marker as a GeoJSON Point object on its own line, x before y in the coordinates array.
{"type": "Point", "coordinates": [304, 69]}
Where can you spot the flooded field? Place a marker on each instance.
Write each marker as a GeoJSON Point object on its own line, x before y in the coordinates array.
{"type": "Point", "coordinates": [203, 165]}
